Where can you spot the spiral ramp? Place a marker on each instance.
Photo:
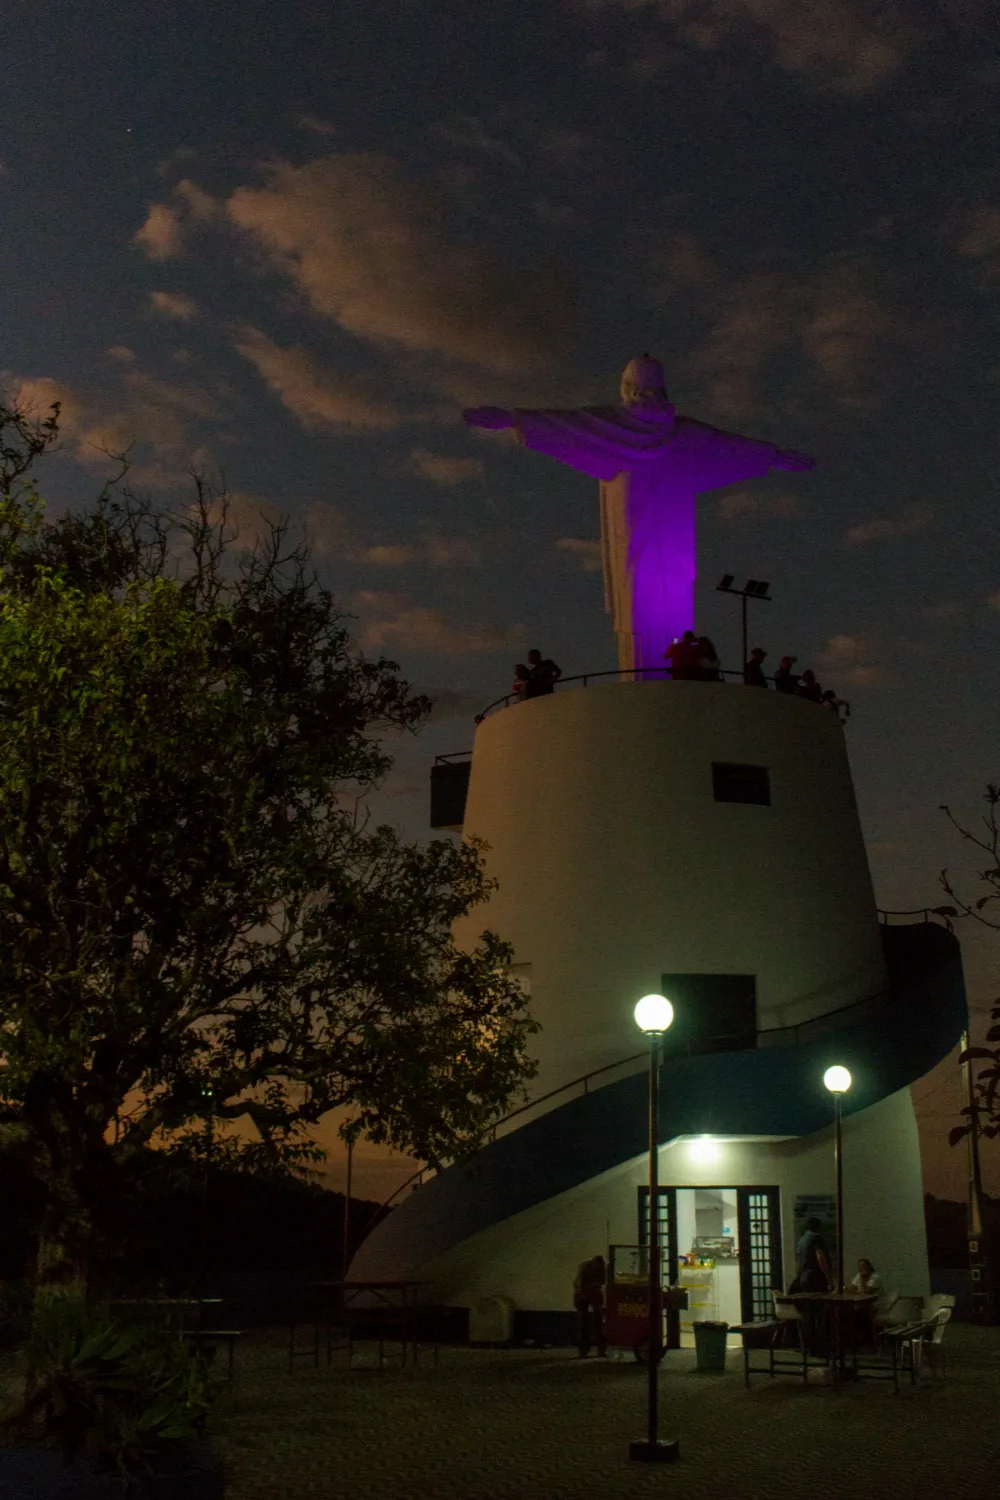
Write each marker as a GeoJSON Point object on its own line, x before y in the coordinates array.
{"type": "Point", "coordinates": [513, 1219]}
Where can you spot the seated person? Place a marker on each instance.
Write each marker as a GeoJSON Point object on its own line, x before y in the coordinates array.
{"type": "Point", "coordinates": [868, 1282]}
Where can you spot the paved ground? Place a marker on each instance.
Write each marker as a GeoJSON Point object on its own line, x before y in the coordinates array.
{"type": "Point", "coordinates": [542, 1425]}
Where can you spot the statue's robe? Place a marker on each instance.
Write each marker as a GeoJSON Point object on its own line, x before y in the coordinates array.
{"type": "Point", "coordinates": [650, 470]}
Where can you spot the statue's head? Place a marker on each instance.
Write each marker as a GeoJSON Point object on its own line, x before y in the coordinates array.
{"type": "Point", "coordinates": [643, 391]}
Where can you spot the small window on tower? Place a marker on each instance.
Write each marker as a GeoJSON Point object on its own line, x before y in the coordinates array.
{"type": "Point", "coordinates": [732, 783]}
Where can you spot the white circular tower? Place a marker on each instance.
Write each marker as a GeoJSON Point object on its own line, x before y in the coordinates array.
{"type": "Point", "coordinates": [697, 835]}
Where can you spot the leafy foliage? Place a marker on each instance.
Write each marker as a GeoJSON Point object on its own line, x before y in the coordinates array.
{"type": "Point", "coordinates": [198, 924]}
{"type": "Point", "coordinates": [113, 1390]}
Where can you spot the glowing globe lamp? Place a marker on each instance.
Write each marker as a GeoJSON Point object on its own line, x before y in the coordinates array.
{"type": "Point", "coordinates": [654, 1014]}
{"type": "Point", "coordinates": [837, 1079]}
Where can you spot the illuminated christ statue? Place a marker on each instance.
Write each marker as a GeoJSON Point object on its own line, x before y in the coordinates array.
{"type": "Point", "coordinates": [651, 464]}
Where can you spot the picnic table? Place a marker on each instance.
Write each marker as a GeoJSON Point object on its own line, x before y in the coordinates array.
{"type": "Point", "coordinates": [386, 1307]}
{"type": "Point", "coordinates": [173, 1313]}
{"type": "Point", "coordinates": [170, 1310]}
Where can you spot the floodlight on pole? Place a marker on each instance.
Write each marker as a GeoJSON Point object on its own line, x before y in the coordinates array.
{"type": "Point", "coordinates": [838, 1080]}
{"type": "Point", "coordinates": [654, 1015]}
{"type": "Point", "coordinates": [755, 588]}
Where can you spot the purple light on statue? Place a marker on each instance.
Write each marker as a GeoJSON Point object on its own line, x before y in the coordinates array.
{"type": "Point", "coordinates": [651, 464]}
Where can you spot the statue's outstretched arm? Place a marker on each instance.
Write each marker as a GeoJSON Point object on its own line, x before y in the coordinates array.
{"type": "Point", "coordinates": [492, 417]}
{"type": "Point", "coordinates": [735, 458]}
{"type": "Point", "coordinates": [787, 458]}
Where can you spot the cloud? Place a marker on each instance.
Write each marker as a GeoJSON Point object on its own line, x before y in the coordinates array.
{"type": "Point", "coordinates": [390, 621]}
{"type": "Point", "coordinates": [389, 555]}
{"type": "Point", "coordinates": [887, 528]}
{"type": "Point", "coordinates": [373, 252]}
{"type": "Point", "coordinates": [586, 552]}
{"type": "Point", "coordinates": [440, 469]}
{"type": "Point", "coordinates": [744, 504]}
{"type": "Point", "coordinates": [248, 514]}
{"type": "Point", "coordinates": [850, 659]}
{"type": "Point", "coordinates": [315, 126]}
{"type": "Point", "coordinates": [825, 335]}
{"type": "Point", "coordinates": [37, 396]}
{"type": "Point", "coordinates": [155, 421]}
{"type": "Point", "coordinates": [468, 134]}
{"type": "Point", "coordinates": [556, 215]}
{"type": "Point", "coordinates": [978, 239]}
{"type": "Point", "coordinates": [162, 235]}
{"type": "Point", "coordinates": [311, 393]}
{"type": "Point", "coordinates": [435, 551]}
{"type": "Point", "coordinates": [174, 305]}
{"type": "Point", "coordinates": [853, 46]}
{"type": "Point", "coordinates": [994, 601]}
{"type": "Point", "coordinates": [121, 354]}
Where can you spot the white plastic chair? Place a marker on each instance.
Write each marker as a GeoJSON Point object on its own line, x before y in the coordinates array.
{"type": "Point", "coordinates": [935, 1302]}
{"type": "Point", "coordinates": [934, 1342]}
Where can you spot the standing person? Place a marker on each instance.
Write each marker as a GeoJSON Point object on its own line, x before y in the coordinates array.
{"type": "Point", "coordinates": [522, 682]}
{"type": "Point", "coordinates": [544, 674]}
{"type": "Point", "coordinates": [683, 657]}
{"type": "Point", "coordinates": [812, 1260]}
{"type": "Point", "coordinates": [709, 667]}
{"type": "Point", "coordinates": [588, 1300]}
{"type": "Point", "coordinates": [809, 687]}
{"type": "Point", "coordinates": [785, 680]}
{"type": "Point", "coordinates": [838, 706]}
{"type": "Point", "coordinates": [753, 670]}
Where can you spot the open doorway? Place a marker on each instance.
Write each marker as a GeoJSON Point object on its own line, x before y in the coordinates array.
{"type": "Point", "coordinates": [708, 1257]}
{"type": "Point", "coordinates": [724, 1245]}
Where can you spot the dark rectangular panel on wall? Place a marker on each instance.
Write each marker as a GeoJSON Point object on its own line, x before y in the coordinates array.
{"type": "Point", "coordinates": [712, 1012]}
{"type": "Point", "coordinates": [449, 789]}
{"type": "Point", "coordinates": [738, 783]}
{"type": "Point", "coordinates": [758, 1218]}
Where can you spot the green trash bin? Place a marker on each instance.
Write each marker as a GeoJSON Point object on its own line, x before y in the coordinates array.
{"type": "Point", "coordinates": [710, 1345]}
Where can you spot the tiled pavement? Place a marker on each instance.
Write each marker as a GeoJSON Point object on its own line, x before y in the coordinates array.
{"type": "Point", "coordinates": [543, 1425]}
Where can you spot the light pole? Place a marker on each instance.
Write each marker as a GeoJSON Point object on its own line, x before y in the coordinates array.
{"type": "Point", "coordinates": [654, 1015]}
{"type": "Point", "coordinates": [753, 590]}
{"type": "Point", "coordinates": [838, 1081]}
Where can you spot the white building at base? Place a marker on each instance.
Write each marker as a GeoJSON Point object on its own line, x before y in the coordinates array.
{"type": "Point", "coordinates": [700, 840]}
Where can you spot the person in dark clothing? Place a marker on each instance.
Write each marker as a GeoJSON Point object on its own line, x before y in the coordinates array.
{"type": "Point", "coordinates": [544, 674]}
{"type": "Point", "coordinates": [709, 668]}
{"type": "Point", "coordinates": [812, 1260]}
{"type": "Point", "coordinates": [785, 680]}
{"type": "Point", "coordinates": [838, 706]}
{"type": "Point", "coordinates": [810, 688]}
{"type": "Point", "coordinates": [588, 1300]}
{"type": "Point", "coordinates": [523, 685]}
{"type": "Point", "coordinates": [683, 657]}
{"type": "Point", "coordinates": [753, 670]}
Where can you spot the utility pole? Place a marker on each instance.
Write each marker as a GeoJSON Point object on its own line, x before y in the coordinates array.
{"type": "Point", "coordinates": [980, 1269]}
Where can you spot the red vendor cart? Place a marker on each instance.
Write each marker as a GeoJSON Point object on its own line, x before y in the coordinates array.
{"type": "Point", "coordinates": [626, 1318]}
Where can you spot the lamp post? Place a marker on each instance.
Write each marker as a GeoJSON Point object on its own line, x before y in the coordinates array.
{"type": "Point", "coordinates": [654, 1015]}
{"type": "Point", "coordinates": [838, 1081]}
{"type": "Point", "coordinates": [754, 590]}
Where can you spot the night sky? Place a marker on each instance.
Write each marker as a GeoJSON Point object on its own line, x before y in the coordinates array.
{"type": "Point", "coordinates": [291, 241]}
